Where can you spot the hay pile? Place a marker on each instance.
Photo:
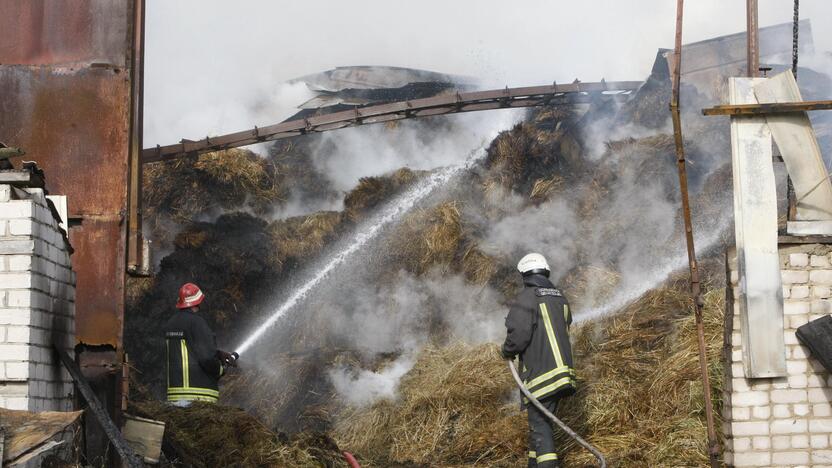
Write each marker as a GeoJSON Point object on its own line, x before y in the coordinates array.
{"type": "Point", "coordinates": [300, 237]}
{"type": "Point", "coordinates": [523, 157]}
{"type": "Point", "coordinates": [189, 189]}
{"type": "Point", "coordinates": [455, 408]}
{"type": "Point", "coordinates": [639, 400]}
{"type": "Point", "coordinates": [428, 237]}
{"type": "Point", "coordinates": [208, 435]}
{"type": "Point", "coordinates": [371, 192]}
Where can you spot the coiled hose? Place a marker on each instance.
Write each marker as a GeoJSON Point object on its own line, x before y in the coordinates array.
{"type": "Point", "coordinates": [566, 429]}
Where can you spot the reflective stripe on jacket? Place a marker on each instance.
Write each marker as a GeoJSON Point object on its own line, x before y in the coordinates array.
{"type": "Point", "coordinates": [537, 330]}
{"type": "Point", "coordinates": [193, 369]}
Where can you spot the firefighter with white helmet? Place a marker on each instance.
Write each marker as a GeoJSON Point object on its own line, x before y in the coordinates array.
{"type": "Point", "coordinates": [538, 332]}
{"type": "Point", "coordinates": [194, 364]}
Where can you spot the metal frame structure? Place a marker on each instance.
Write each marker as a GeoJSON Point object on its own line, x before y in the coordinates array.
{"type": "Point", "coordinates": [508, 98]}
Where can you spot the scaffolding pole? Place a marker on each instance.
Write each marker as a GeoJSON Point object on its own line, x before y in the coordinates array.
{"type": "Point", "coordinates": [695, 286]}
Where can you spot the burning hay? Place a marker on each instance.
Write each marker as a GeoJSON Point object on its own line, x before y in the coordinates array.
{"type": "Point", "coordinates": [639, 400]}
{"type": "Point", "coordinates": [208, 435]}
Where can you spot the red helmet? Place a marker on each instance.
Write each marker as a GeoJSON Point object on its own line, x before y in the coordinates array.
{"type": "Point", "coordinates": [189, 296]}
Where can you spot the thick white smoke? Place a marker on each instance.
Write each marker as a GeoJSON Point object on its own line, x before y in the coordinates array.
{"type": "Point", "coordinates": [345, 157]}
{"type": "Point", "coordinates": [398, 319]}
{"type": "Point", "coordinates": [360, 387]}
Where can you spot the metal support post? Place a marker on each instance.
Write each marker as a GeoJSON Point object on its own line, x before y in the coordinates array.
{"type": "Point", "coordinates": [695, 287]}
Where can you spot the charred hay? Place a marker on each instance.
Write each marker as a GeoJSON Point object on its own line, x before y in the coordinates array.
{"type": "Point", "coordinates": [209, 435]}
{"type": "Point", "coordinates": [189, 189]}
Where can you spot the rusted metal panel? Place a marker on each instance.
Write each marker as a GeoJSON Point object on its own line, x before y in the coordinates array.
{"type": "Point", "coordinates": [66, 82]}
{"type": "Point", "coordinates": [41, 32]}
{"type": "Point", "coordinates": [74, 124]}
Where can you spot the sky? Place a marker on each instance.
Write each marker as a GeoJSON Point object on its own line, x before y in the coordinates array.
{"type": "Point", "coordinates": [213, 66]}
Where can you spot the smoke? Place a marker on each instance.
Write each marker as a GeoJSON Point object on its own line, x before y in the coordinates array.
{"type": "Point", "coordinates": [400, 318]}
{"type": "Point", "coordinates": [234, 110]}
{"type": "Point", "coordinates": [550, 228]}
{"type": "Point", "coordinates": [360, 387]}
{"type": "Point", "coordinates": [209, 62]}
{"type": "Point", "coordinates": [345, 157]}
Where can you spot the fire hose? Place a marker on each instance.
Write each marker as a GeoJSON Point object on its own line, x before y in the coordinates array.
{"type": "Point", "coordinates": [548, 414]}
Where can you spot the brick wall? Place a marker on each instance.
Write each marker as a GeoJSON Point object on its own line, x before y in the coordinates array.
{"type": "Point", "coordinates": [784, 421]}
{"type": "Point", "coordinates": [37, 294]}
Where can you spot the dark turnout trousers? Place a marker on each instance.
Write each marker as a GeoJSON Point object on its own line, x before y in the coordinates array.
{"type": "Point", "coordinates": [541, 436]}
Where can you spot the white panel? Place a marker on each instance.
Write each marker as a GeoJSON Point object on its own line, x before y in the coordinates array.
{"type": "Point", "coordinates": [801, 153]}
{"type": "Point", "coordinates": [809, 228]}
{"type": "Point", "coordinates": [755, 214]}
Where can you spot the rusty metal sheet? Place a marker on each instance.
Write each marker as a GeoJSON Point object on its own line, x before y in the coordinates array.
{"type": "Point", "coordinates": [74, 123]}
{"type": "Point", "coordinates": [39, 32]}
{"type": "Point", "coordinates": [66, 82]}
{"type": "Point", "coordinates": [732, 49]}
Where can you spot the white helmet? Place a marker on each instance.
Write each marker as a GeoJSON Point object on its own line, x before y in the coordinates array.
{"type": "Point", "coordinates": [533, 263]}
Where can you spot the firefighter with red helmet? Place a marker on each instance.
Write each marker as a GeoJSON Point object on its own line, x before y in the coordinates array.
{"type": "Point", "coordinates": [194, 364]}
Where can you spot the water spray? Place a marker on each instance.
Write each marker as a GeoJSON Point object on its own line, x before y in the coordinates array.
{"type": "Point", "coordinates": [653, 278]}
{"type": "Point", "coordinates": [391, 212]}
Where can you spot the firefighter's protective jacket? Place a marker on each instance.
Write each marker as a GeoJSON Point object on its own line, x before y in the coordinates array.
{"type": "Point", "coordinates": [193, 369]}
{"type": "Point", "coordinates": [537, 330]}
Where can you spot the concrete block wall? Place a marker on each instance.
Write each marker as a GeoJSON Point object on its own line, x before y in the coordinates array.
{"type": "Point", "coordinates": [37, 304]}
{"type": "Point", "coordinates": [782, 421]}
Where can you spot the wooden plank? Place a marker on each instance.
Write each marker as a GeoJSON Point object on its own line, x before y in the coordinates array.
{"type": "Point", "coordinates": [758, 259]}
{"type": "Point", "coordinates": [25, 430]}
{"type": "Point", "coordinates": [804, 239]}
{"type": "Point", "coordinates": [799, 148]}
{"type": "Point", "coordinates": [768, 108]}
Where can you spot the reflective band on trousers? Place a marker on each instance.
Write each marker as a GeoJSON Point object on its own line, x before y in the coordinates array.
{"type": "Point", "coordinates": [547, 457]}
{"type": "Point", "coordinates": [192, 398]}
{"type": "Point", "coordinates": [532, 454]}
{"type": "Point", "coordinates": [194, 390]}
{"type": "Point", "coordinates": [193, 393]}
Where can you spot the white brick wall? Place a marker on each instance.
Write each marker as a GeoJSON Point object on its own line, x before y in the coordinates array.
{"type": "Point", "coordinates": [784, 421]}
{"type": "Point", "coordinates": [37, 304]}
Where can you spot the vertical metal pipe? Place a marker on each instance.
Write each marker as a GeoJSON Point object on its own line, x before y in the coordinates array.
{"type": "Point", "coordinates": [795, 36]}
{"type": "Point", "coordinates": [134, 180]}
{"type": "Point", "coordinates": [695, 286]}
{"type": "Point", "coordinates": [752, 27]}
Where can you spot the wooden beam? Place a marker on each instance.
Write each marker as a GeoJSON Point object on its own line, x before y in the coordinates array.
{"type": "Point", "coordinates": [769, 108]}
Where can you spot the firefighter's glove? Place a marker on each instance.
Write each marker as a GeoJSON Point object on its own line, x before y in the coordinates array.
{"type": "Point", "coordinates": [227, 359]}
{"type": "Point", "coordinates": [506, 355]}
